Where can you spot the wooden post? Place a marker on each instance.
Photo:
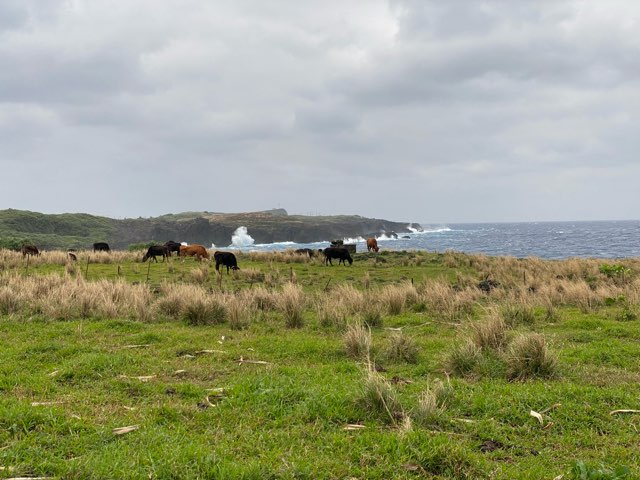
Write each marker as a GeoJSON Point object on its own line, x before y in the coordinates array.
{"type": "Point", "coordinates": [86, 271]}
{"type": "Point", "coordinates": [148, 270]}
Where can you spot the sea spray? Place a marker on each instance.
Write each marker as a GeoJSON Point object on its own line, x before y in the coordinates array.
{"type": "Point", "coordinates": [241, 238]}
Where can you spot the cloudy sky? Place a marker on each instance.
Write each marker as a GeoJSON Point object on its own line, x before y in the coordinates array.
{"type": "Point", "coordinates": [416, 110]}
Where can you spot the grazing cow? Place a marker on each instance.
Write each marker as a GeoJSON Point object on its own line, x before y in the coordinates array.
{"type": "Point", "coordinates": [372, 244]}
{"type": "Point", "coordinates": [29, 250]}
{"type": "Point", "coordinates": [226, 259]}
{"type": "Point", "coordinates": [306, 251]}
{"type": "Point", "coordinates": [72, 256]}
{"type": "Point", "coordinates": [194, 250]}
{"type": "Point", "coordinates": [101, 247]}
{"type": "Point", "coordinates": [156, 251]}
{"type": "Point", "coordinates": [341, 254]}
{"type": "Point", "coordinates": [173, 247]}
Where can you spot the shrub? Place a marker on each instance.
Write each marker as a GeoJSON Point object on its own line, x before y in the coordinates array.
{"type": "Point", "coordinates": [529, 357]}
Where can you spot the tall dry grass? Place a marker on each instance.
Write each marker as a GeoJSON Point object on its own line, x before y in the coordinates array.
{"type": "Point", "coordinates": [66, 298]}
{"type": "Point", "coordinates": [291, 303]}
{"type": "Point", "coordinates": [443, 300]}
{"type": "Point", "coordinates": [491, 333]}
{"type": "Point", "coordinates": [357, 341]}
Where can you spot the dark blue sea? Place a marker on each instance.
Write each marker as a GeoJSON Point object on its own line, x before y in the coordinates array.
{"type": "Point", "coordinates": [551, 240]}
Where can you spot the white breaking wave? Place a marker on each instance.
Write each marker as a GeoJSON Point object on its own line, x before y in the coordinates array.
{"type": "Point", "coordinates": [430, 230]}
{"type": "Point", "coordinates": [275, 244]}
{"type": "Point", "coordinates": [383, 237]}
{"type": "Point", "coordinates": [241, 238]}
{"type": "Point", "coordinates": [353, 240]}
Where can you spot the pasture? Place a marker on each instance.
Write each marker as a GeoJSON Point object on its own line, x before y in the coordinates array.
{"type": "Point", "coordinates": [402, 365]}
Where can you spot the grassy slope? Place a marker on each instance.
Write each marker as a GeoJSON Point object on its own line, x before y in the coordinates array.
{"type": "Point", "coordinates": [285, 419]}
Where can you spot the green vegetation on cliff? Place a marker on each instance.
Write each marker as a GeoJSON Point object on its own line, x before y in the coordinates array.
{"type": "Point", "coordinates": [80, 230]}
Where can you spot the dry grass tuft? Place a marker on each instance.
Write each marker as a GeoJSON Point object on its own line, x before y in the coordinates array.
{"type": "Point", "coordinates": [401, 348]}
{"type": "Point", "coordinates": [463, 359]}
{"type": "Point", "coordinates": [291, 303]}
{"type": "Point", "coordinates": [357, 341]}
{"type": "Point", "coordinates": [200, 275]}
{"type": "Point", "coordinates": [204, 310]}
{"type": "Point", "coordinates": [490, 334]}
{"type": "Point", "coordinates": [518, 313]}
{"type": "Point", "coordinates": [394, 297]}
{"type": "Point", "coordinates": [252, 275]}
{"type": "Point", "coordinates": [239, 313]}
{"type": "Point", "coordinates": [529, 357]}
{"type": "Point", "coordinates": [432, 403]}
{"type": "Point", "coordinates": [371, 315]}
{"type": "Point", "coordinates": [330, 313]}
{"type": "Point", "coordinates": [380, 396]}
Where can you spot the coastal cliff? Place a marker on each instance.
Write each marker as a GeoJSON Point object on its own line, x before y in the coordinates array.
{"type": "Point", "coordinates": [80, 230]}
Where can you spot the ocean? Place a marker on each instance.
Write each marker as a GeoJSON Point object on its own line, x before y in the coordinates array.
{"type": "Point", "coordinates": [550, 240]}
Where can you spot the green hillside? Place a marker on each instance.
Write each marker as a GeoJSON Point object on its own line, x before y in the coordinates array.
{"type": "Point", "coordinates": [81, 230]}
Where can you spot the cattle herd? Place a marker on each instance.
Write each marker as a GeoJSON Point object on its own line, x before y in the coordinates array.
{"type": "Point", "coordinates": [338, 250]}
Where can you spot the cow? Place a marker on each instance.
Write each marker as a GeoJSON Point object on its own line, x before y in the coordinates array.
{"type": "Point", "coordinates": [341, 254]}
{"type": "Point", "coordinates": [306, 251]}
{"type": "Point", "coordinates": [173, 247]}
{"type": "Point", "coordinates": [101, 247]}
{"type": "Point", "coordinates": [29, 250]}
{"type": "Point", "coordinates": [226, 259]}
{"type": "Point", "coordinates": [156, 251]}
{"type": "Point", "coordinates": [194, 250]}
{"type": "Point", "coordinates": [372, 244]}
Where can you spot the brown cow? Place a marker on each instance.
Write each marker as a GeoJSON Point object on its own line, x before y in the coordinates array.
{"type": "Point", "coordinates": [372, 244]}
{"type": "Point", "coordinates": [29, 250]}
{"type": "Point", "coordinates": [194, 250]}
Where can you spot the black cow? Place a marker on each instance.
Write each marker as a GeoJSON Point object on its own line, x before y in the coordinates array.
{"type": "Point", "coordinates": [156, 251]}
{"type": "Point", "coordinates": [341, 254]}
{"type": "Point", "coordinates": [101, 247]}
{"type": "Point", "coordinates": [173, 247]}
{"type": "Point", "coordinates": [306, 251]}
{"type": "Point", "coordinates": [227, 259]}
{"type": "Point", "coordinates": [29, 250]}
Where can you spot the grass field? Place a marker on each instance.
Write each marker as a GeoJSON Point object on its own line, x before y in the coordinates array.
{"type": "Point", "coordinates": [398, 366]}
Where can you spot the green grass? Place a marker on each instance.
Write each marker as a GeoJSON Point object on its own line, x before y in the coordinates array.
{"type": "Point", "coordinates": [286, 418]}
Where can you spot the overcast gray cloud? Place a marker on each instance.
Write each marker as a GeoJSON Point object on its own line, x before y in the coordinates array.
{"type": "Point", "coordinates": [404, 109]}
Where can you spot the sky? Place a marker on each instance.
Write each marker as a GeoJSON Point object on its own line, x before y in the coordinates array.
{"type": "Point", "coordinates": [408, 110]}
